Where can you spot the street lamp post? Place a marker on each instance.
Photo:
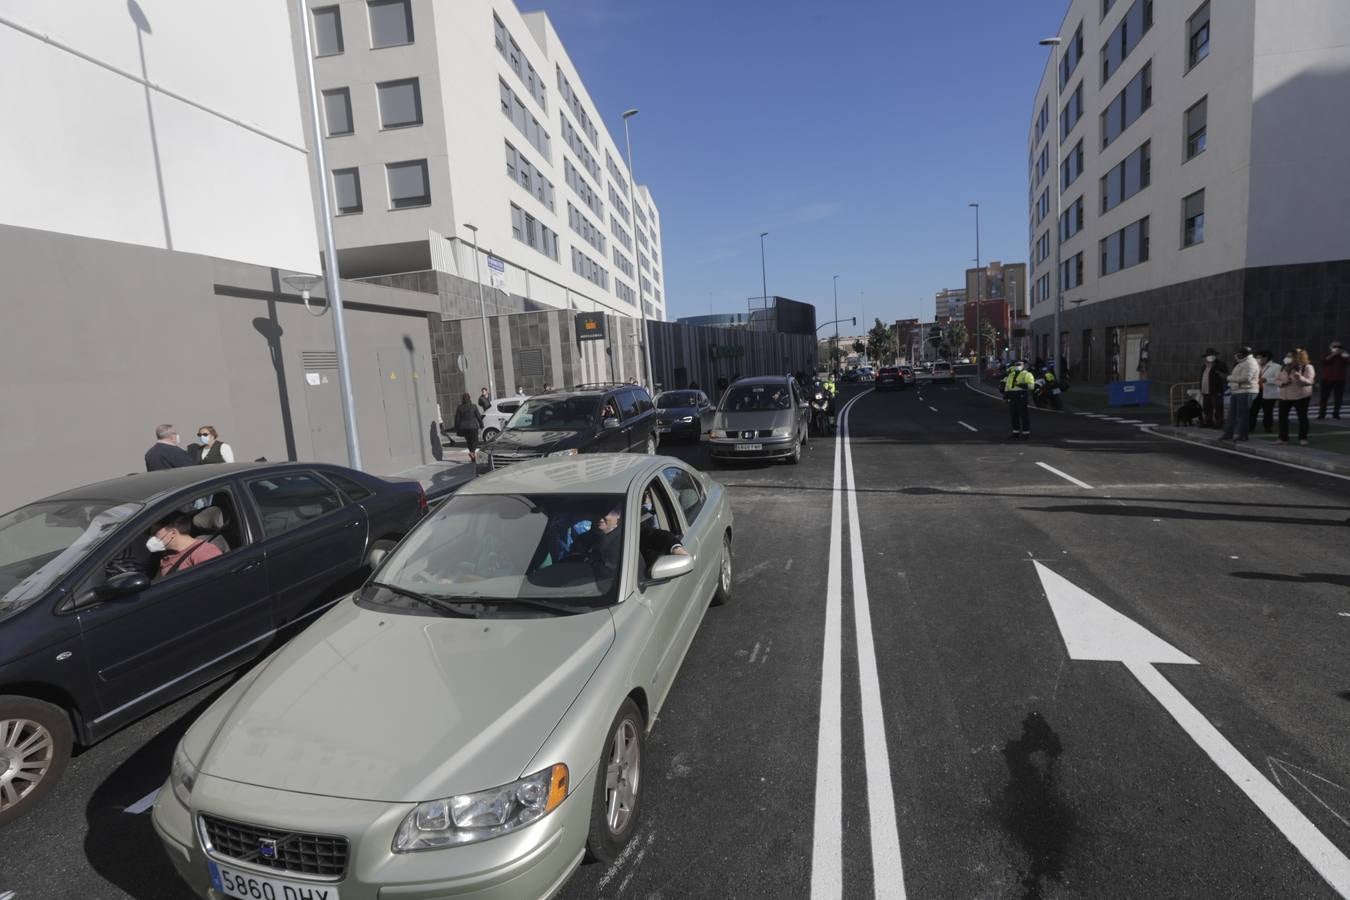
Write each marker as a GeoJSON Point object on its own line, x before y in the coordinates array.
{"type": "Point", "coordinates": [763, 272]}
{"type": "Point", "coordinates": [482, 313]}
{"type": "Point", "coordinates": [1059, 184]}
{"type": "Point", "coordinates": [836, 320]}
{"type": "Point", "coordinates": [330, 269]}
{"type": "Point", "coordinates": [979, 369]}
{"type": "Point", "coordinates": [637, 250]}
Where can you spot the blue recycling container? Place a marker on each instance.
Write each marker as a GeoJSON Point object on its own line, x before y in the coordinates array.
{"type": "Point", "coordinates": [1127, 393]}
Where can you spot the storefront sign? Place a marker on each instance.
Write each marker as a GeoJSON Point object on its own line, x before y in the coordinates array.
{"type": "Point", "coordinates": [590, 326]}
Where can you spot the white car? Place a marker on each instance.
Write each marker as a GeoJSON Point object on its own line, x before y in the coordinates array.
{"type": "Point", "coordinates": [495, 416]}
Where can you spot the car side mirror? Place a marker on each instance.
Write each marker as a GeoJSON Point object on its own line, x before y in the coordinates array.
{"type": "Point", "coordinates": [124, 584]}
{"type": "Point", "coordinates": [667, 567]}
{"type": "Point", "coordinates": [610, 422]}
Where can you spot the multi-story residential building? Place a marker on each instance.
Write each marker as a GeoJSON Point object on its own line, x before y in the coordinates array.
{"type": "Point", "coordinates": [998, 281]}
{"type": "Point", "coordinates": [442, 116]}
{"type": "Point", "coordinates": [1171, 239]}
{"type": "Point", "coordinates": [949, 301]}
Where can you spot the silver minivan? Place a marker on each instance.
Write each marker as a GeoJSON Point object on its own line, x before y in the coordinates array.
{"type": "Point", "coordinates": [760, 418]}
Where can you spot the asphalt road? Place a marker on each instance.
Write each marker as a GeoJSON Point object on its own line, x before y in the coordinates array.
{"type": "Point", "coordinates": [956, 749]}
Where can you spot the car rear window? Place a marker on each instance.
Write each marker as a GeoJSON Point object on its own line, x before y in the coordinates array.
{"type": "Point", "coordinates": [890, 371]}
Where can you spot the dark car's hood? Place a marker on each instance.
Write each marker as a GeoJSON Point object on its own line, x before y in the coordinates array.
{"type": "Point", "coordinates": [511, 440]}
{"type": "Point", "coordinates": [675, 412]}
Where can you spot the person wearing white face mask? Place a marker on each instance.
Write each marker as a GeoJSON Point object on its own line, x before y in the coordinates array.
{"type": "Point", "coordinates": [1243, 383]}
{"type": "Point", "coordinates": [1017, 386]}
{"type": "Point", "coordinates": [1212, 382]}
{"type": "Point", "coordinates": [210, 448]}
{"type": "Point", "coordinates": [1296, 381]}
{"type": "Point", "coordinates": [173, 538]}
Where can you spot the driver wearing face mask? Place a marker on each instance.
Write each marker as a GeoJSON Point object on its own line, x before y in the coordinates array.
{"type": "Point", "coordinates": [173, 538]}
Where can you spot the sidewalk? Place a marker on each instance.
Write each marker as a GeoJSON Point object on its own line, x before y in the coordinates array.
{"type": "Point", "coordinates": [1329, 450]}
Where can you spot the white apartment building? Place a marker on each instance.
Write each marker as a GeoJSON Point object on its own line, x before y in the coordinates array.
{"type": "Point", "coordinates": [1201, 169]}
{"type": "Point", "coordinates": [443, 115]}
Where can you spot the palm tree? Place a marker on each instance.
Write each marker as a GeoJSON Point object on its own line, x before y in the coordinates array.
{"type": "Point", "coordinates": [956, 336]}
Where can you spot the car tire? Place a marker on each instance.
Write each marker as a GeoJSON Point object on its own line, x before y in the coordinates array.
{"type": "Point", "coordinates": [615, 810]}
{"type": "Point", "coordinates": [490, 434]}
{"type": "Point", "coordinates": [378, 550]}
{"type": "Point", "coordinates": [722, 596]}
{"type": "Point", "coordinates": [796, 456]}
{"type": "Point", "coordinates": [43, 732]}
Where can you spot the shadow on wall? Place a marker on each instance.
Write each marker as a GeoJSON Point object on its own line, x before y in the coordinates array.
{"type": "Point", "coordinates": [271, 330]}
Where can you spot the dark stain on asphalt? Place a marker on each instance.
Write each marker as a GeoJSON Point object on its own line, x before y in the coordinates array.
{"type": "Point", "coordinates": [1344, 695]}
{"type": "Point", "coordinates": [1031, 808]}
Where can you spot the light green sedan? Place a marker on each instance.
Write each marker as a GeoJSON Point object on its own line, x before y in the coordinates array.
{"type": "Point", "coordinates": [471, 722]}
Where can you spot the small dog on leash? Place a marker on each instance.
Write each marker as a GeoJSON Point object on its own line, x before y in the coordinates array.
{"type": "Point", "coordinates": [1190, 413]}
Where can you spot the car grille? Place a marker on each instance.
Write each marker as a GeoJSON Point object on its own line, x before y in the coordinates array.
{"type": "Point", "coordinates": [323, 855]}
{"type": "Point", "coordinates": [747, 435]}
{"type": "Point", "coordinates": [502, 460]}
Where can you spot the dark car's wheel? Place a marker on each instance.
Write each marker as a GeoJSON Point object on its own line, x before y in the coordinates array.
{"type": "Point", "coordinates": [35, 742]}
{"type": "Point", "coordinates": [796, 456]}
{"type": "Point", "coordinates": [377, 552]}
{"type": "Point", "coordinates": [490, 434]}
{"type": "Point", "coordinates": [618, 786]}
{"type": "Point", "coordinates": [722, 595]}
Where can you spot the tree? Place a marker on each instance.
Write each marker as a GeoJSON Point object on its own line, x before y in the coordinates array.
{"type": "Point", "coordinates": [991, 339]}
{"type": "Point", "coordinates": [859, 347]}
{"type": "Point", "coordinates": [881, 343]}
{"type": "Point", "coordinates": [956, 335]}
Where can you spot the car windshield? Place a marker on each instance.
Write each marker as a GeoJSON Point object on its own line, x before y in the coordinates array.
{"type": "Point", "coordinates": [554, 414]}
{"type": "Point", "coordinates": [489, 550]}
{"type": "Point", "coordinates": [40, 542]}
{"type": "Point", "coordinates": [756, 398]}
{"type": "Point", "coordinates": [677, 399]}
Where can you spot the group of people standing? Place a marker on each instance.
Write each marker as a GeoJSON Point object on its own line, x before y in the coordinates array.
{"type": "Point", "coordinates": [167, 451]}
{"type": "Point", "coordinates": [1258, 386]}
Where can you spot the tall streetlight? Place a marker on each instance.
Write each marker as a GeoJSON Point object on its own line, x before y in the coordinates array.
{"type": "Point", "coordinates": [637, 251]}
{"type": "Point", "coordinates": [1059, 184]}
{"type": "Point", "coordinates": [979, 367]}
{"type": "Point", "coordinates": [763, 272]}
{"type": "Point", "coordinates": [330, 269]}
{"type": "Point", "coordinates": [836, 320]}
{"type": "Point", "coordinates": [482, 312]}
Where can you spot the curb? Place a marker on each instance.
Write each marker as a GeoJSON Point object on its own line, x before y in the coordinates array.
{"type": "Point", "coordinates": [1319, 461]}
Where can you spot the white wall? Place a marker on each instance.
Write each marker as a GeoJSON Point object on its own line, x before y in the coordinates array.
{"type": "Point", "coordinates": [1300, 150]}
{"type": "Point", "coordinates": [90, 151]}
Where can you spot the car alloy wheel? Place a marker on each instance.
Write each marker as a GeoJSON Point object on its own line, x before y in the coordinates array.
{"type": "Point", "coordinates": [490, 434]}
{"type": "Point", "coordinates": [623, 774]}
{"type": "Point", "coordinates": [35, 744]}
{"type": "Point", "coordinates": [723, 593]}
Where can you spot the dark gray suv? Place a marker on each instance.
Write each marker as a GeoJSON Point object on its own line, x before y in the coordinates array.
{"type": "Point", "coordinates": [590, 418]}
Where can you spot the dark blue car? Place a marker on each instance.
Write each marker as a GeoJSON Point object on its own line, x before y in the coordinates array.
{"type": "Point", "coordinates": [93, 636]}
{"type": "Point", "coordinates": [683, 415]}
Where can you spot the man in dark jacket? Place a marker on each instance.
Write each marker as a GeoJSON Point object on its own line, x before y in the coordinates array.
{"type": "Point", "coordinates": [165, 453]}
{"type": "Point", "coordinates": [1213, 379]}
{"type": "Point", "coordinates": [1333, 380]}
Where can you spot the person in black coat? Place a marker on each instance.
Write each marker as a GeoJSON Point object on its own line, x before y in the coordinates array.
{"type": "Point", "coordinates": [165, 453]}
{"type": "Point", "coordinates": [468, 422]}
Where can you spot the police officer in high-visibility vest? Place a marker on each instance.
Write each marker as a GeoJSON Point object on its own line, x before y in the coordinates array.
{"type": "Point", "coordinates": [1017, 387]}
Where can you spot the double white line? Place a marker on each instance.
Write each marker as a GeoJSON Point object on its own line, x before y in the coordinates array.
{"type": "Point", "coordinates": [827, 858]}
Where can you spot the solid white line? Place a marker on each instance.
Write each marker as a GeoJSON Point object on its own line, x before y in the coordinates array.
{"type": "Point", "coordinates": [933, 408]}
{"type": "Point", "coordinates": [1149, 429]}
{"type": "Point", "coordinates": [1064, 475]}
{"type": "Point", "coordinates": [1322, 854]}
{"type": "Point", "coordinates": [142, 804]}
{"type": "Point", "coordinates": [888, 872]}
{"type": "Point", "coordinates": [964, 425]}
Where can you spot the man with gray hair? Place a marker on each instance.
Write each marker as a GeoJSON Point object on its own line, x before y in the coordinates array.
{"type": "Point", "coordinates": [165, 453]}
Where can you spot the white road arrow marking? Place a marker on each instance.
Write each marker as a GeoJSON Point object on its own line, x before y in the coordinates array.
{"type": "Point", "coordinates": [1093, 631]}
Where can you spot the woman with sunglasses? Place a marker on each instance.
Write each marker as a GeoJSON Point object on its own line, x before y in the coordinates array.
{"type": "Point", "coordinates": [209, 448]}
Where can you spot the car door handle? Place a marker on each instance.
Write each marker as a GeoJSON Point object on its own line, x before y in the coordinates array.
{"type": "Point", "coordinates": [246, 566]}
{"type": "Point", "coordinates": [355, 524]}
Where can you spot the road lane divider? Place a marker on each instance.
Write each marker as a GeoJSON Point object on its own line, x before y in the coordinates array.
{"type": "Point", "coordinates": [965, 426]}
{"type": "Point", "coordinates": [933, 408]}
{"type": "Point", "coordinates": [1065, 475]}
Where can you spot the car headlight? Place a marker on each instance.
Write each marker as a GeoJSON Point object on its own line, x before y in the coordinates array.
{"type": "Point", "coordinates": [182, 776]}
{"type": "Point", "coordinates": [571, 452]}
{"type": "Point", "coordinates": [782, 432]}
{"type": "Point", "coordinates": [686, 419]}
{"type": "Point", "coordinates": [468, 818]}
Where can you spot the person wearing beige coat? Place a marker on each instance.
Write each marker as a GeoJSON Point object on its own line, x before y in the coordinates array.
{"type": "Point", "coordinates": [1295, 381]}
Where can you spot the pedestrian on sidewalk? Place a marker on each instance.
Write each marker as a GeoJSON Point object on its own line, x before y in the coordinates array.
{"type": "Point", "coordinates": [1296, 381]}
{"type": "Point", "coordinates": [165, 453]}
{"type": "Point", "coordinates": [1243, 383]}
{"type": "Point", "coordinates": [210, 448]}
{"type": "Point", "coordinates": [468, 422]}
{"type": "Point", "coordinates": [1017, 387]}
{"type": "Point", "coordinates": [1211, 389]}
{"type": "Point", "coordinates": [1333, 380]}
{"type": "Point", "coordinates": [1268, 399]}
{"type": "Point", "coordinates": [484, 400]}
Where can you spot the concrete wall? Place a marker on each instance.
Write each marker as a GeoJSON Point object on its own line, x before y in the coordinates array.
{"type": "Point", "coordinates": [137, 122]}
{"type": "Point", "coordinates": [103, 341]}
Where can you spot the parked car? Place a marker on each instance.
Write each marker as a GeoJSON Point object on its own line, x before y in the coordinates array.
{"type": "Point", "coordinates": [473, 720]}
{"type": "Point", "coordinates": [683, 414]}
{"type": "Point", "coordinates": [760, 418]}
{"type": "Point", "coordinates": [942, 371]}
{"type": "Point", "coordinates": [599, 418]}
{"type": "Point", "coordinates": [889, 378]}
{"type": "Point", "coordinates": [93, 636]}
{"type": "Point", "coordinates": [496, 416]}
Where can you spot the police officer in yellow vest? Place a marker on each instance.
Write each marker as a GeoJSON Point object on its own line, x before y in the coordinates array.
{"type": "Point", "coordinates": [1017, 387]}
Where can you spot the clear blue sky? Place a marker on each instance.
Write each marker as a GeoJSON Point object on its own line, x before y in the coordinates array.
{"type": "Point", "coordinates": [855, 133]}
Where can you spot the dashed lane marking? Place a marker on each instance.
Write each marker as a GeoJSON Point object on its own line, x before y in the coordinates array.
{"type": "Point", "coordinates": [933, 408]}
{"type": "Point", "coordinates": [1065, 475]}
{"type": "Point", "coordinates": [968, 427]}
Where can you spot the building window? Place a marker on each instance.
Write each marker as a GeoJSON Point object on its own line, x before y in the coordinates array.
{"type": "Point", "coordinates": [1127, 247]}
{"type": "Point", "coordinates": [1071, 272]}
{"type": "Point", "coordinates": [1073, 52]}
{"type": "Point", "coordinates": [327, 31]}
{"type": "Point", "coordinates": [1043, 163]}
{"type": "Point", "coordinates": [572, 100]}
{"type": "Point", "coordinates": [1043, 206]}
{"type": "Point", "coordinates": [1136, 22]}
{"type": "Point", "coordinates": [1197, 118]}
{"type": "Point", "coordinates": [1128, 105]}
{"type": "Point", "coordinates": [625, 266]}
{"type": "Point", "coordinates": [515, 58]}
{"type": "Point", "coordinates": [1043, 287]}
{"type": "Point", "coordinates": [1106, 7]}
{"type": "Point", "coordinates": [391, 23]}
{"type": "Point", "coordinates": [573, 139]}
{"type": "Point", "coordinates": [529, 230]}
{"type": "Point", "coordinates": [1072, 112]}
{"type": "Point", "coordinates": [514, 109]}
{"type": "Point", "coordinates": [1197, 36]}
{"type": "Point", "coordinates": [620, 233]}
{"type": "Point", "coordinates": [519, 170]}
{"type": "Point", "coordinates": [408, 185]}
{"type": "Point", "coordinates": [1042, 120]}
{"type": "Point", "coordinates": [589, 269]}
{"type": "Point", "coordinates": [584, 227]}
{"type": "Point", "coordinates": [1072, 167]}
{"type": "Point", "coordinates": [400, 103]}
{"type": "Point", "coordinates": [1043, 248]}
{"type": "Point", "coordinates": [337, 111]}
{"type": "Point", "coordinates": [581, 188]}
{"type": "Point", "coordinates": [1132, 175]}
{"type": "Point", "coordinates": [347, 191]}
{"type": "Point", "coordinates": [1071, 222]}
{"type": "Point", "coordinates": [1193, 219]}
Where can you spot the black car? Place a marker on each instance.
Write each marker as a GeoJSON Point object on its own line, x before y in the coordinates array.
{"type": "Point", "coordinates": [93, 635]}
{"type": "Point", "coordinates": [683, 414]}
{"type": "Point", "coordinates": [890, 377]}
{"type": "Point", "coordinates": [590, 418]}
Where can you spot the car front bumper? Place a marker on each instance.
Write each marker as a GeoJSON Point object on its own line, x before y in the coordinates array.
{"type": "Point", "coordinates": [680, 431]}
{"type": "Point", "coordinates": [770, 448]}
{"type": "Point", "coordinates": [534, 862]}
